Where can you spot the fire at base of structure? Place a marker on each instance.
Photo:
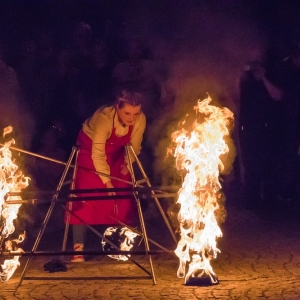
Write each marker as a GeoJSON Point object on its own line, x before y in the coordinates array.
{"type": "Point", "coordinates": [197, 153]}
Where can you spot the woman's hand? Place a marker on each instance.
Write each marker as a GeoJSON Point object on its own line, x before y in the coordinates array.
{"type": "Point", "coordinates": [124, 169]}
{"type": "Point", "coordinates": [260, 73]}
{"type": "Point", "coordinates": [109, 185]}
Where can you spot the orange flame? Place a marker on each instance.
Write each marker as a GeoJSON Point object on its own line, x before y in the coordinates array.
{"type": "Point", "coordinates": [197, 153]}
{"type": "Point", "coordinates": [11, 180]}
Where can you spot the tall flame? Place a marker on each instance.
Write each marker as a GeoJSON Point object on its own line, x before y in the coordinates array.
{"type": "Point", "coordinates": [11, 180]}
{"type": "Point", "coordinates": [197, 153]}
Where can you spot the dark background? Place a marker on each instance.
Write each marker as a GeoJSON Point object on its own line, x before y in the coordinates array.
{"type": "Point", "coordinates": [167, 19]}
{"type": "Point", "coordinates": [204, 44]}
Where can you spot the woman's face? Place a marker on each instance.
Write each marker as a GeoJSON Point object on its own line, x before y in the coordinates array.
{"type": "Point", "coordinates": [128, 113]}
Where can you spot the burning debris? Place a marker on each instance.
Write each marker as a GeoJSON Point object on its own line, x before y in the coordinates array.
{"type": "Point", "coordinates": [11, 180]}
{"type": "Point", "coordinates": [197, 154]}
{"type": "Point", "coordinates": [123, 238]}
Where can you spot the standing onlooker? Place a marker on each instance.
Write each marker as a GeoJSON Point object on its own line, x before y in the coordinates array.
{"type": "Point", "coordinates": [140, 73]}
{"type": "Point", "coordinates": [28, 69]}
{"type": "Point", "coordinates": [45, 49]}
{"type": "Point", "coordinates": [260, 135]}
{"type": "Point", "coordinates": [13, 110]}
{"type": "Point", "coordinates": [56, 95]}
{"type": "Point", "coordinates": [291, 100]}
{"type": "Point", "coordinates": [81, 45]}
{"type": "Point", "coordinates": [97, 80]}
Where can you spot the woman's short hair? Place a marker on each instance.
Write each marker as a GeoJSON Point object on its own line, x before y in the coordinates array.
{"type": "Point", "coordinates": [130, 96]}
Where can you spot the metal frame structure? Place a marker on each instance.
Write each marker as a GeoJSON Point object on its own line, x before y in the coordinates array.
{"type": "Point", "coordinates": [136, 187]}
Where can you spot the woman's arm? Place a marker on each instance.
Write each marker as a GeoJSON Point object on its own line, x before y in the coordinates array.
{"type": "Point", "coordinates": [101, 133]}
{"type": "Point", "coordinates": [137, 136]}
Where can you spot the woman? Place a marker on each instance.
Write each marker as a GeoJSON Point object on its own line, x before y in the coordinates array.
{"type": "Point", "coordinates": [101, 145]}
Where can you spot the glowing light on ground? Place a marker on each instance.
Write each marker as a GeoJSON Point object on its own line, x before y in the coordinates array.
{"type": "Point", "coordinates": [197, 155]}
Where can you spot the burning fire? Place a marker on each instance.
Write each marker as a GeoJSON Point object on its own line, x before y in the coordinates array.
{"type": "Point", "coordinates": [122, 238]}
{"type": "Point", "coordinates": [11, 180]}
{"type": "Point", "coordinates": [197, 154]}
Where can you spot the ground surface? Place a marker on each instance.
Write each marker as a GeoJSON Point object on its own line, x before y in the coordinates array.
{"type": "Point", "coordinates": [259, 259]}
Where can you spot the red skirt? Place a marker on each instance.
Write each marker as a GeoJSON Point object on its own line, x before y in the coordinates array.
{"type": "Point", "coordinates": [99, 211]}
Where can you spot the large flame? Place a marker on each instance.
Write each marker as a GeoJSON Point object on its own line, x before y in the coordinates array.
{"type": "Point", "coordinates": [197, 154]}
{"type": "Point", "coordinates": [11, 180]}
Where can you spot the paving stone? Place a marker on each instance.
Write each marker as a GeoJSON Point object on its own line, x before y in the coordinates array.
{"type": "Point", "coordinates": [259, 259]}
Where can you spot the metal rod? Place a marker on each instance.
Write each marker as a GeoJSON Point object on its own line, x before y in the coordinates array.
{"type": "Point", "coordinates": [139, 233]}
{"type": "Point", "coordinates": [143, 227]}
{"type": "Point", "coordinates": [103, 237]}
{"type": "Point", "coordinates": [48, 216]}
{"type": "Point", "coordinates": [63, 163]}
{"type": "Point", "coordinates": [44, 224]}
{"type": "Point", "coordinates": [141, 189]}
{"type": "Point", "coordinates": [55, 199]}
{"type": "Point", "coordinates": [87, 278]}
{"type": "Point", "coordinates": [50, 253]}
{"type": "Point", "coordinates": [37, 155]}
{"type": "Point", "coordinates": [89, 198]}
{"type": "Point", "coordinates": [70, 204]}
{"type": "Point", "coordinates": [155, 199]}
{"type": "Point", "coordinates": [71, 191]}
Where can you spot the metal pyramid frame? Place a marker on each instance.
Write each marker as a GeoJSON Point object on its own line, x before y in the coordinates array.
{"type": "Point", "coordinates": [137, 186]}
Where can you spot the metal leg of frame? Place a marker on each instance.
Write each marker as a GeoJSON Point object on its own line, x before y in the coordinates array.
{"type": "Point", "coordinates": [143, 227]}
{"type": "Point", "coordinates": [155, 199]}
{"type": "Point", "coordinates": [67, 225]}
{"type": "Point", "coordinates": [102, 237]}
{"type": "Point", "coordinates": [44, 224]}
{"type": "Point", "coordinates": [68, 209]}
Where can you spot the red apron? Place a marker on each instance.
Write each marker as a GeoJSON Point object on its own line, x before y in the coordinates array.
{"type": "Point", "coordinates": [99, 211]}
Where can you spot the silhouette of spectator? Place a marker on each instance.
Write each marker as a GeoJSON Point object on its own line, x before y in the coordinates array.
{"type": "Point", "coordinates": [139, 73]}
{"type": "Point", "coordinates": [162, 62]}
{"type": "Point", "coordinates": [13, 110]}
{"type": "Point", "coordinates": [45, 51]}
{"type": "Point", "coordinates": [260, 135]}
{"type": "Point", "coordinates": [28, 70]}
{"type": "Point", "coordinates": [291, 99]}
{"type": "Point", "coordinates": [45, 173]}
{"type": "Point", "coordinates": [81, 43]}
{"type": "Point", "coordinates": [56, 94]}
{"type": "Point", "coordinates": [97, 81]}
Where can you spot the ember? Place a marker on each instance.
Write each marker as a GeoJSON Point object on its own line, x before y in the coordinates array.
{"type": "Point", "coordinates": [11, 180]}
{"type": "Point", "coordinates": [197, 153]}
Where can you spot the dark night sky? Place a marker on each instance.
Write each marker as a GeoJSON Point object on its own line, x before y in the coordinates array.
{"type": "Point", "coordinates": [168, 17]}
{"type": "Point", "coordinates": [207, 41]}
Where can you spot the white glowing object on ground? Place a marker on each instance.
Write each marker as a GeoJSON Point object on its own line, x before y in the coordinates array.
{"type": "Point", "coordinates": [197, 153]}
{"type": "Point", "coordinates": [11, 180]}
{"type": "Point", "coordinates": [123, 238]}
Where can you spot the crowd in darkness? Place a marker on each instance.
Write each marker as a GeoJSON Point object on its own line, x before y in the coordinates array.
{"type": "Point", "coordinates": [56, 85]}
{"type": "Point", "coordinates": [66, 83]}
{"type": "Point", "coordinates": [54, 81]}
{"type": "Point", "coordinates": [269, 130]}
{"type": "Point", "coordinates": [50, 86]}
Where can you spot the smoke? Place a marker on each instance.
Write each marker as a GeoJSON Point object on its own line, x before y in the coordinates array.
{"type": "Point", "coordinates": [13, 111]}
{"type": "Point", "coordinates": [200, 49]}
